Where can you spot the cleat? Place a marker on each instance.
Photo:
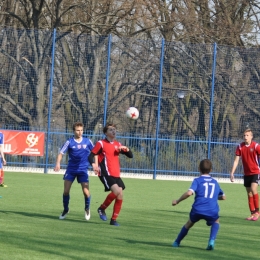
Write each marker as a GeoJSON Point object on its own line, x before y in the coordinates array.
{"type": "Point", "coordinates": [255, 216]}
{"type": "Point", "coordinates": [250, 217]}
{"type": "Point", "coordinates": [114, 223]}
{"type": "Point", "coordinates": [3, 185]}
{"type": "Point", "coordinates": [87, 214]}
{"type": "Point", "coordinates": [211, 245]}
{"type": "Point", "coordinates": [175, 244]}
{"type": "Point", "coordinates": [102, 214]}
{"type": "Point", "coordinates": [64, 214]}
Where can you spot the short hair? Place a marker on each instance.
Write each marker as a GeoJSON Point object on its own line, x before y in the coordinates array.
{"type": "Point", "coordinates": [107, 126]}
{"type": "Point", "coordinates": [77, 124]}
{"type": "Point", "coordinates": [248, 130]}
{"type": "Point", "coordinates": [205, 166]}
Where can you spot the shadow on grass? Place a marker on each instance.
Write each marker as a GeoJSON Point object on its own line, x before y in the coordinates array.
{"type": "Point", "coordinates": [150, 243]}
{"type": "Point", "coordinates": [45, 216]}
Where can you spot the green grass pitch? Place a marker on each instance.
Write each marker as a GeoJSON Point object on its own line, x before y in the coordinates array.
{"type": "Point", "coordinates": [30, 228]}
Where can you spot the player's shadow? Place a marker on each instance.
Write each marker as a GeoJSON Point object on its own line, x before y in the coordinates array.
{"type": "Point", "coordinates": [168, 245]}
{"type": "Point", "coordinates": [44, 216]}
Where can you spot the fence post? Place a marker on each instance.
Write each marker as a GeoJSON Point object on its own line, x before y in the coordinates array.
{"type": "Point", "coordinates": [107, 77]}
{"type": "Point", "coordinates": [50, 101]}
{"type": "Point", "coordinates": [212, 98]}
{"type": "Point", "coordinates": [159, 110]}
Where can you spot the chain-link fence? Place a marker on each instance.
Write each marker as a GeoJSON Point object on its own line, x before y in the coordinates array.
{"type": "Point", "coordinates": [195, 101]}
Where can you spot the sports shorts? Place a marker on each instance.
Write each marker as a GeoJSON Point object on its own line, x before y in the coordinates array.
{"type": "Point", "coordinates": [82, 176]}
{"type": "Point", "coordinates": [248, 179]}
{"type": "Point", "coordinates": [195, 217]}
{"type": "Point", "coordinates": [109, 181]}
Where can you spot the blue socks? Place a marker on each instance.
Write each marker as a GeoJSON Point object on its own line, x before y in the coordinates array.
{"type": "Point", "coordinates": [182, 234]}
{"type": "Point", "coordinates": [214, 231]}
{"type": "Point", "coordinates": [87, 202]}
{"type": "Point", "coordinates": [66, 199]}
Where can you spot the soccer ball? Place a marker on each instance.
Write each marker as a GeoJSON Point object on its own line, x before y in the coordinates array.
{"type": "Point", "coordinates": [132, 113]}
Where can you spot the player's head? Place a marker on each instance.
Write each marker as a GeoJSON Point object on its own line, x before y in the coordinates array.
{"type": "Point", "coordinates": [78, 129]}
{"type": "Point", "coordinates": [205, 166]}
{"type": "Point", "coordinates": [77, 124]}
{"type": "Point", "coordinates": [248, 136]}
{"type": "Point", "coordinates": [110, 130]}
{"type": "Point", "coordinates": [108, 126]}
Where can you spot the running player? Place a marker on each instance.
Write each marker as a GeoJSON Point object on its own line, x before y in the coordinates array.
{"type": "Point", "coordinates": [105, 162]}
{"type": "Point", "coordinates": [2, 160]}
{"type": "Point", "coordinates": [249, 151]}
{"type": "Point", "coordinates": [78, 149]}
{"type": "Point", "coordinates": [207, 193]}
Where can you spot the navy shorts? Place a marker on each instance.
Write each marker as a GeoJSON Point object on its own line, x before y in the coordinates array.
{"type": "Point", "coordinates": [195, 217]}
{"type": "Point", "coordinates": [82, 176]}
{"type": "Point", "coordinates": [109, 181]}
{"type": "Point", "coordinates": [248, 179]}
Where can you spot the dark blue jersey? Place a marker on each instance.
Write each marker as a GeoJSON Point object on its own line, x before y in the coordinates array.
{"type": "Point", "coordinates": [78, 153]}
{"type": "Point", "coordinates": [207, 191]}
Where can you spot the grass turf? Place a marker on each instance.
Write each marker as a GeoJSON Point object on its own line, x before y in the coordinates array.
{"type": "Point", "coordinates": [30, 228]}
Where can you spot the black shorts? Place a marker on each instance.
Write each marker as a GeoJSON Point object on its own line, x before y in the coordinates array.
{"type": "Point", "coordinates": [109, 181]}
{"type": "Point", "coordinates": [248, 179]}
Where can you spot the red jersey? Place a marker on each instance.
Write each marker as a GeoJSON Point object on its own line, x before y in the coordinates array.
{"type": "Point", "coordinates": [108, 157]}
{"type": "Point", "coordinates": [249, 155]}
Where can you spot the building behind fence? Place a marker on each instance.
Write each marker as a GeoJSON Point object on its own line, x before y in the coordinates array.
{"type": "Point", "coordinates": [195, 101]}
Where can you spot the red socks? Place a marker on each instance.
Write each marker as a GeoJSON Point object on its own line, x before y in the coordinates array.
{"type": "Point", "coordinates": [256, 202]}
{"type": "Point", "coordinates": [253, 203]}
{"type": "Point", "coordinates": [1, 176]}
{"type": "Point", "coordinates": [110, 197]}
{"type": "Point", "coordinates": [117, 208]}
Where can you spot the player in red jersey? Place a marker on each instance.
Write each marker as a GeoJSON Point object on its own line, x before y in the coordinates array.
{"type": "Point", "coordinates": [104, 158]}
{"type": "Point", "coordinates": [249, 151]}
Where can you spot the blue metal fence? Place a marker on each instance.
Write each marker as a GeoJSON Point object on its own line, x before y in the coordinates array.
{"type": "Point", "coordinates": [194, 100]}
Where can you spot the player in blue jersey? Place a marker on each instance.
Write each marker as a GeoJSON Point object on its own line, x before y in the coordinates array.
{"type": "Point", "coordinates": [2, 160]}
{"type": "Point", "coordinates": [78, 149]}
{"type": "Point", "coordinates": [207, 193]}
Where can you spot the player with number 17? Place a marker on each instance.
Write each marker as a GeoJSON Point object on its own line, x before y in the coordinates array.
{"type": "Point", "coordinates": [207, 193]}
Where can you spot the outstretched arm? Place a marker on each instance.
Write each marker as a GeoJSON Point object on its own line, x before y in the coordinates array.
{"type": "Point", "coordinates": [184, 196]}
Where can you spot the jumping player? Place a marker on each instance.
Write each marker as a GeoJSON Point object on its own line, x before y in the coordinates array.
{"type": "Point", "coordinates": [105, 162]}
{"type": "Point", "coordinates": [207, 193]}
{"type": "Point", "coordinates": [2, 160]}
{"type": "Point", "coordinates": [249, 151]}
{"type": "Point", "coordinates": [78, 149]}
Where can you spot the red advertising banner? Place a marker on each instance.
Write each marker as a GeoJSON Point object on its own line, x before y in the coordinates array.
{"type": "Point", "coordinates": [23, 142]}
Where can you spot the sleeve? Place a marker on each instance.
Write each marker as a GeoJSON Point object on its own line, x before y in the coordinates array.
{"type": "Point", "coordinates": [97, 148]}
{"type": "Point", "coordinates": [258, 149]}
{"type": "Point", "coordinates": [221, 192]}
{"type": "Point", "coordinates": [65, 147]}
{"type": "Point", "coordinates": [238, 150]}
{"type": "Point", "coordinates": [194, 186]}
{"type": "Point", "coordinates": [90, 145]}
{"type": "Point", "coordinates": [129, 154]}
{"type": "Point", "coordinates": [1, 138]}
{"type": "Point", "coordinates": [95, 151]}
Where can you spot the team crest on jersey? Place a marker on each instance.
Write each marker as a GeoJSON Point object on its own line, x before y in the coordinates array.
{"type": "Point", "coordinates": [251, 150]}
{"type": "Point", "coordinates": [84, 146]}
{"type": "Point", "coordinates": [79, 146]}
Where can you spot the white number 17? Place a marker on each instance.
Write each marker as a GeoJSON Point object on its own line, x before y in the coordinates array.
{"type": "Point", "coordinates": [206, 184]}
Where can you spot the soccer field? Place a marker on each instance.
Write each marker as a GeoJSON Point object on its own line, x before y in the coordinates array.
{"type": "Point", "coordinates": [32, 203]}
